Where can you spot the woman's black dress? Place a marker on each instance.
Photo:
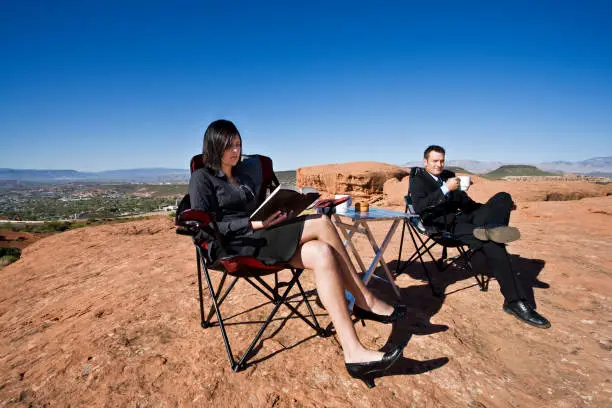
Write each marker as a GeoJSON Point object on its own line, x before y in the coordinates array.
{"type": "Point", "coordinates": [232, 205]}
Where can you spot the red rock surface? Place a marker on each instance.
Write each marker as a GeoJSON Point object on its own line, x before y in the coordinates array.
{"type": "Point", "coordinates": [108, 316]}
{"type": "Point", "coordinates": [362, 180]}
{"type": "Point", "coordinates": [18, 239]}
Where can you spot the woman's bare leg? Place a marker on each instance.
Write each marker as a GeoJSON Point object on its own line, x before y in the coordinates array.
{"type": "Point", "coordinates": [320, 257]}
{"type": "Point", "coordinates": [322, 229]}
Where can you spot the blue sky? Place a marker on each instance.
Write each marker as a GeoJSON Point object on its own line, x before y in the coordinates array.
{"type": "Point", "coordinates": [105, 85]}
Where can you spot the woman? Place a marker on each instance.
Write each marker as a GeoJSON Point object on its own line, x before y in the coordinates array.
{"type": "Point", "coordinates": [304, 242]}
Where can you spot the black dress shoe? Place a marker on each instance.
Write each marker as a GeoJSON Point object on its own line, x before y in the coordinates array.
{"type": "Point", "coordinates": [523, 311]}
{"type": "Point", "coordinates": [399, 311]}
{"type": "Point", "coordinates": [368, 370]}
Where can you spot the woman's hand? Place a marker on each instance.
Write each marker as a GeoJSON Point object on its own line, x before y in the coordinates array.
{"type": "Point", "coordinates": [274, 219]}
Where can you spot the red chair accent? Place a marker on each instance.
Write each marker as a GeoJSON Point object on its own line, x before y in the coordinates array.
{"type": "Point", "coordinates": [202, 226]}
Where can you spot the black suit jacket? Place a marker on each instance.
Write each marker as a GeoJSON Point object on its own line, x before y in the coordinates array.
{"type": "Point", "coordinates": [435, 208]}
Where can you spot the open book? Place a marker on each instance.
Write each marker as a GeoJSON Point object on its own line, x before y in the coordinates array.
{"type": "Point", "coordinates": [289, 199]}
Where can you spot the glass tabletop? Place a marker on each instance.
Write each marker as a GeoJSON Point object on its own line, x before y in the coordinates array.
{"type": "Point", "coordinates": [374, 213]}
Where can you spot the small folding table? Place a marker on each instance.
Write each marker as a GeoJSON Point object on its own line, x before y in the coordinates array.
{"type": "Point", "coordinates": [358, 223]}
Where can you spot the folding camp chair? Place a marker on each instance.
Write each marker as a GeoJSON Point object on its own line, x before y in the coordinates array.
{"type": "Point", "coordinates": [427, 238]}
{"type": "Point", "coordinates": [200, 224]}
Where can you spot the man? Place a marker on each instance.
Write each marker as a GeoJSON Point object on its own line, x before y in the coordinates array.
{"type": "Point", "coordinates": [437, 198]}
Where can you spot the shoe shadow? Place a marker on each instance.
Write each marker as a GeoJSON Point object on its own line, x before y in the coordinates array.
{"type": "Point", "coordinates": [527, 271]}
{"type": "Point", "coordinates": [408, 366]}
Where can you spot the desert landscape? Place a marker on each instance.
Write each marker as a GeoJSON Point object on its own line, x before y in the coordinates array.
{"type": "Point", "coordinates": [108, 316]}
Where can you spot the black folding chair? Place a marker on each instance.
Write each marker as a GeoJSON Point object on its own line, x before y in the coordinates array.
{"type": "Point", "coordinates": [202, 227]}
{"type": "Point", "coordinates": [424, 238]}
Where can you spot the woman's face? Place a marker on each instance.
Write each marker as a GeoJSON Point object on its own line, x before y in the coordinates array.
{"type": "Point", "coordinates": [231, 155]}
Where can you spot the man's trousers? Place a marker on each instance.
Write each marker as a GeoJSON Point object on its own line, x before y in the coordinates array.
{"type": "Point", "coordinates": [495, 212]}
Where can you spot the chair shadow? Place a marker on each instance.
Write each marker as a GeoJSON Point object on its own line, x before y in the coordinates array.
{"type": "Point", "coordinates": [250, 359]}
{"type": "Point", "coordinates": [414, 324]}
{"type": "Point", "coordinates": [527, 270]}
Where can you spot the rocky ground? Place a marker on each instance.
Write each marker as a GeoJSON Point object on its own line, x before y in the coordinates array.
{"type": "Point", "coordinates": [108, 316]}
{"type": "Point", "coordinates": [18, 239]}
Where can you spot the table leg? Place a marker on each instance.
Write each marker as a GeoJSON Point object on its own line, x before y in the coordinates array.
{"type": "Point", "coordinates": [348, 237]}
{"type": "Point", "coordinates": [378, 257]}
{"type": "Point", "coordinates": [348, 241]}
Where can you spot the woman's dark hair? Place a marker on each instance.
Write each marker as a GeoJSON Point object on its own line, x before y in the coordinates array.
{"type": "Point", "coordinates": [217, 138]}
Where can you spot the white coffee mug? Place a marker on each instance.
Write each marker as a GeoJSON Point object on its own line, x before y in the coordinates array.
{"type": "Point", "coordinates": [464, 183]}
{"type": "Point", "coordinates": [345, 205]}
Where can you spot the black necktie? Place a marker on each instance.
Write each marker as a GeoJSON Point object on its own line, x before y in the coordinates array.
{"type": "Point", "coordinates": [440, 182]}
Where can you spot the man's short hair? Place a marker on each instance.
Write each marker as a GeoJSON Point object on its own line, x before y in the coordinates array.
{"type": "Point", "coordinates": [433, 148]}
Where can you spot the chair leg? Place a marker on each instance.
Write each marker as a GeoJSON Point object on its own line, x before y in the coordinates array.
{"type": "Point", "coordinates": [399, 269]}
{"type": "Point", "coordinates": [202, 320]}
{"type": "Point", "coordinates": [276, 286]}
{"type": "Point", "coordinates": [276, 298]}
{"type": "Point", "coordinates": [283, 300]}
{"type": "Point", "coordinates": [444, 254]}
{"type": "Point", "coordinates": [399, 255]}
{"type": "Point", "coordinates": [219, 318]}
{"type": "Point", "coordinates": [483, 282]}
{"type": "Point", "coordinates": [419, 254]}
{"type": "Point", "coordinates": [481, 278]}
{"type": "Point", "coordinates": [221, 298]}
{"type": "Point", "coordinates": [272, 294]}
{"type": "Point", "coordinates": [205, 321]}
{"type": "Point", "coordinates": [322, 332]}
{"type": "Point", "coordinates": [445, 262]}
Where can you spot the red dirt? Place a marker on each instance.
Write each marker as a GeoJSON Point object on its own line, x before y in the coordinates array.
{"type": "Point", "coordinates": [18, 239]}
{"type": "Point", "coordinates": [108, 316]}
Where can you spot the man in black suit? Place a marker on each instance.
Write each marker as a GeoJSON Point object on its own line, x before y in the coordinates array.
{"type": "Point", "coordinates": [436, 197]}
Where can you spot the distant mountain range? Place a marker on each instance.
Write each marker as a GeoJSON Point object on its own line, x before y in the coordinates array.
{"type": "Point", "coordinates": [597, 166]}
{"type": "Point", "coordinates": [149, 175]}
{"type": "Point", "coordinates": [589, 166]}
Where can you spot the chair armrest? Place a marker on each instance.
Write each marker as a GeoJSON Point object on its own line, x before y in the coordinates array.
{"type": "Point", "coordinates": [427, 212]}
{"type": "Point", "coordinates": [330, 202]}
{"type": "Point", "coordinates": [201, 217]}
{"type": "Point", "coordinates": [419, 222]}
{"type": "Point", "coordinates": [328, 206]}
{"type": "Point", "coordinates": [191, 222]}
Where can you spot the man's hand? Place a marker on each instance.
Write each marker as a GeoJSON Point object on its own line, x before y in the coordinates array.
{"type": "Point", "coordinates": [452, 183]}
{"type": "Point", "coordinates": [274, 219]}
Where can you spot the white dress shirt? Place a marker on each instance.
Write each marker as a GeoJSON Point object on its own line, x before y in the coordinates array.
{"type": "Point", "coordinates": [443, 187]}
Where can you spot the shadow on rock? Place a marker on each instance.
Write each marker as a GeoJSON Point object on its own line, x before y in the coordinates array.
{"type": "Point", "coordinates": [408, 366]}
{"type": "Point", "coordinates": [527, 270]}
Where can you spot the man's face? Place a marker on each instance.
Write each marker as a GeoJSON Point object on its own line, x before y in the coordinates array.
{"type": "Point", "coordinates": [434, 163]}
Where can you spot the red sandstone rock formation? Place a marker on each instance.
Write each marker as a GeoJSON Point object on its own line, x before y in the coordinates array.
{"type": "Point", "coordinates": [361, 180]}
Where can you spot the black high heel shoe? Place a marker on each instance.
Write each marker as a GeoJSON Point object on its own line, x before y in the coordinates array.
{"type": "Point", "coordinates": [368, 370]}
{"type": "Point", "coordinates": [399, 311]}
